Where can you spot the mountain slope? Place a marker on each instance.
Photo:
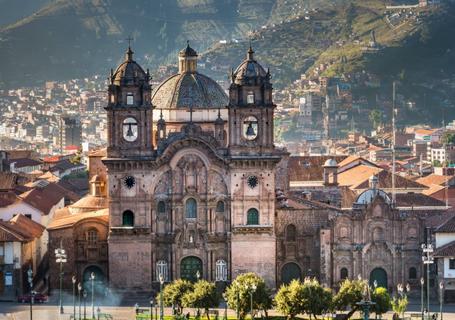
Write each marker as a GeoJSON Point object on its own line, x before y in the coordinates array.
{"type": "Point", "coordinates": [75, 38]}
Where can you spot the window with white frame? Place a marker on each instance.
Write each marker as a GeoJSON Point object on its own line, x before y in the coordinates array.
{"type": "Point", "coordinates": [161, 269]}
{"type": "Point", "coordinates": [221, 270]}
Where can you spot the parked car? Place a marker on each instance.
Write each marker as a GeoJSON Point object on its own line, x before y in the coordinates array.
{"type": "Point", "coordinates": [37, 298]}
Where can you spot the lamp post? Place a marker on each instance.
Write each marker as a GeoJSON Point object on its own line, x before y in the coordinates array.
{"type": "Point", "coordinates": [92, 278]}
{"type": "Point", "coordinates": [151, 309]}
{"type": "Point", "coordinates": [251, 290]}
{"type": "Point", "coordinates": [85, 304]}
{"type": "Point", "coordinates": [441, 297]}
{"type": "Point", "coordinates": [225, 305]}
{"type": "Point", "coordinates": [422, 282]}
{"type": "Point", "coordinates": [161, 296]}
{"type": "Point", "coordinates": [60, 257]}
{"type": "Point", "coordinates": [427, 259]}
{"type": "Point", "coordinates": [237, 304]}
{"type": "Point", "coordinates": [79, 288]}
{"type": "Point", "coordinates": [30, 282]}
{"type": "Point", "coordinates": [73, 280]}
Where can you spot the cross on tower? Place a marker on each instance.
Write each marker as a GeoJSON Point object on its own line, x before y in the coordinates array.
{"type": "Point", "coordinates": [129, 39]}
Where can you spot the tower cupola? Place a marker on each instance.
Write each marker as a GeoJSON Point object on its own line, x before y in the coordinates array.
{"type": "Point", "coordinates": [187, 59]}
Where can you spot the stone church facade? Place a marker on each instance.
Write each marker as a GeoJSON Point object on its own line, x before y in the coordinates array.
{"type": "Point", "coordinates": [197, 198]}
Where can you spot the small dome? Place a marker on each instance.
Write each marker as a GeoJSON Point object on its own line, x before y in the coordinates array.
{"type": "Point", "coordinates": [249, 69]}
{"type": "Point", "coordinates": [187, 90]}
{"type": "Point", "coordinates": [369, 195]}
{"type": "Point", "coordinates": [330, 163]}
{"type": "Point", "coordinates": [188, 51]}
{"type": "Point", "coordinates": [129, 72]}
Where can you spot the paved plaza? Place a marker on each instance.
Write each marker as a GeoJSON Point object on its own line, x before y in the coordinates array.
{"type": "Point", "coordinates": [16, 311]}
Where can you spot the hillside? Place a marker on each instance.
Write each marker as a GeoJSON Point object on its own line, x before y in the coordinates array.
{"type": "Point", "coordinates": [417, 51]}
{"type": "Point", "coordinates": [75, 38]}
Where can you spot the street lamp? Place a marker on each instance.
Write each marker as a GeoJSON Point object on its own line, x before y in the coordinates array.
{"type": "Point", "coordinates": [441, 297]}
{"type": "Point", "coordinates": [85, 304]}
{"type": "Point", "coordinates": [79, 288]}
{"type": "Point", "coordinates": [92, 278]}
{"type": "Point", "coordinates": [422, 282]}
{"type": "Point", "coordinates": [73, 280]}
{"type": "Point", "coordinates": [161, 296]}
{"type": "Point", "coordinates": [225, 305]}
{"type": "Point", "coordinates": [30, 282]}
{"type": "Point", "coordinates": [237, 304]}
{"type": "Point", "coordinates": [60, 257]}
{"type": "Point", "coordinates": [427, 259]}
{"type": "Point", "coordinates": [151, 309]}
{"type": "Point", "coordinates": [253, 289]}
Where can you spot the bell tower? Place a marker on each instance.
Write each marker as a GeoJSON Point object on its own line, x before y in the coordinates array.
{"type": "Point", "coordinates": [250, 108]}
{"type": "Point", "coordinates": [129, 111]}
{"type": "Point", "coordinates": [253, 159]}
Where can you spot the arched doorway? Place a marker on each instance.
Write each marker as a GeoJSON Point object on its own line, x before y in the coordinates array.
{"type": "Point", "coordinates": [380, 275]}
{"type": "Point", "coordinates": [189, 268]}
{"type": "Point", "coordinates": [98, 283]}
{"type": "Point", "coordinates": [289, 272]}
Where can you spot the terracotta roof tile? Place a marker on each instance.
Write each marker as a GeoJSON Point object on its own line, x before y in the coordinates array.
{"type": "Point", "coordinates": [447, 250]}
{"type": "Point", "coordinates": [357, 175]}
{"type": "Point", "coordinates": [434, 179]}
{"type": "Point", "coordinates": [308, 168]}
{"type": "Point", "coordinates": [69, 220]}
{"type": "Point", "coordinates": [447, 227]}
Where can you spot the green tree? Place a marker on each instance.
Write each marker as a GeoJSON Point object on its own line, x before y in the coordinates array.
{"type": "Point", "coordinates": [448, 138]}
{"type": "Point", "coordinates": [375, 118]}
{"type": "Point", "coordinates": [174, 292]}
{"type": "Point", "coordinates": [238, 294]}
{"type": "Point", "coordinates": [289, 299]}
{"type": "Point", "coordinates": [400, 304]}
{"type": "Point", "coordinates": [316, 299]}
{"type": "Point", "coordinates": [381, 298]}
{"type": "Point", "coordinates": [204, 296]}
{"type": "Point", "coordinates": [351, 292]}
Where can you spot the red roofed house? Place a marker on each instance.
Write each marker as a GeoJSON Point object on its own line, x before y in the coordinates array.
{"type": "Point", "coordinates": [19, 250]}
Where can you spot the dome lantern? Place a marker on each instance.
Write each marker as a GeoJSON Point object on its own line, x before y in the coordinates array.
{"type": "Point", "coordinates": [187, 59]}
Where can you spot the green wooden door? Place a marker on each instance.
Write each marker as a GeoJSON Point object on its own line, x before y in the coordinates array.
{"type": "Point", "coordinates": [380, 276]}
{"type": "Point", "coordinates": [289, 272]}
{"type": "Point", "coordinates": [189, 268]}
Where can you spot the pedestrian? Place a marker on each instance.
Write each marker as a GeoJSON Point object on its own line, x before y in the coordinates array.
{"type": "Point", "coordinates": [136, 307]}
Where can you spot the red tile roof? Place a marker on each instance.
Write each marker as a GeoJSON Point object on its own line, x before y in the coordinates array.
{"type": "Point", "coordinates": [447, 250]}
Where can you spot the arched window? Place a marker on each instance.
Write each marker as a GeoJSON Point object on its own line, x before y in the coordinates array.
{"type": "Point", "coordinates": [161, 207]}
{"type": "Point", "coordinates": [220, 206]}
{"type": "Point", "coordinates": [92, 236]}
{"type": "Point", "coordinates": [412, 273]}
{"type": "Point", "coordinates": [128, 218]}
{"type": "Point", "coordinates": [191, 208]}
{"type": "Point", "coordinates": [221, 270]}
{"type": "Point", "coordinates": [343, 273]}
{"type": "Point", "coordinates": [161, 269]}
{"type": "Point", "coordinates": [290, 232]}
{"type": "Point", "coordinates": [252, 217]}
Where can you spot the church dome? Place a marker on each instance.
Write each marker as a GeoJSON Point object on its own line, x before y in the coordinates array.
{"type": "Point", "coordinates": [129, 72]}
{"type": "Point", "coordinates": [249, 69]}
{"type": "Point", "coordinates": [330, 163]}
{"type": "Point", "coordinates": [189, 88]}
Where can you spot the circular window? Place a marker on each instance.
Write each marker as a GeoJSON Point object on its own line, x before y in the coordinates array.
{"type": "Point", "coordinates": [129, 182]}
{"type": "Point", "coordinates": [252, 181]}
